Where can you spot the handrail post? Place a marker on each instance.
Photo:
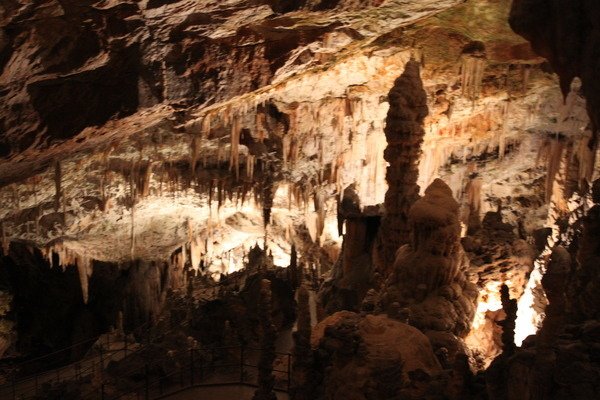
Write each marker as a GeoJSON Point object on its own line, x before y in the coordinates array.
{"type": "Point", "coordinates": [242, 364]}
{"type": "Point", "coordinates": [125, 335]}
{"type": "Point", "coordinates": [289, 372]}
{"type": "Point", "coordinates": [147, 382]}
{"type": "Point", "coordinates": [192, 367]}
{"type": "Point", "coordinates": [101, 365]}
{"type": "Point", "coordinates": [201, 368]}
{"type": "Point", "coordinates": [14, 389]}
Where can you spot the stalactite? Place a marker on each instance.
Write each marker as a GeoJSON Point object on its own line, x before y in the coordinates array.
{"type": "Point", "coordinates": [586, 160]}
{"type": "Point", "coordinates": [526, 73]}
{"type": "Point", "coordinates": [553, 164]}
{"type": "Point", "coordinates": [472, 76]}
{"type": "Point", "coordinates": [234, 164]}
{"type": "Point", "coordinates": [68, 257]}
{"type": "Point", "coordinates": [250, 161]}
{"type": "Point", "coordinates": [84, 268]}
{"type": "Point", "coordinates": [57, 185]}
{"type": "Point", "coordinates": [292, 133]}
{"type": "Point", "coordinates": [195, 151]}
{"type": "Point", "coordinates": [5, 240]}
{"type": "Point", "coordinates": [132, 238]}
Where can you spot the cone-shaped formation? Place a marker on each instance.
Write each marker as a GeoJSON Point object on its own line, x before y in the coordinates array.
{"type": "Point", "coordinates": [429, 276]}
{"type": "Point", "coordinates": [404, 133]}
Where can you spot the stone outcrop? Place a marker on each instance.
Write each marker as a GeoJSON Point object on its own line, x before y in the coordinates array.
{"type": "Point", "coordinates": [372, 356]}
{"type": "Point", "coordinates": [430, 273]}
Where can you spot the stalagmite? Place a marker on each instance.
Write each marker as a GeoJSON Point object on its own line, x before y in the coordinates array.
{"type": "Point", "coordinates": [404, 133]}
{"type": "Point", "coordinates": [430, 273]}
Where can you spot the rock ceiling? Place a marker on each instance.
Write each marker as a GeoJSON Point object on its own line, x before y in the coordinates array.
{"type": "Point", "coordinates": [131, 128]}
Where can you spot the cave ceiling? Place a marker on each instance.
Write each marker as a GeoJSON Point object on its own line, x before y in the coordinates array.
{"type": "Point", "coordinates": [130, 128]}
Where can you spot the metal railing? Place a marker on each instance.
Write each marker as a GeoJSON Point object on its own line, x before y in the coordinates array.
{"type": "Point", "coordinates": [51, 368]}
{"type": "Point", "coordinates": [239, 367]}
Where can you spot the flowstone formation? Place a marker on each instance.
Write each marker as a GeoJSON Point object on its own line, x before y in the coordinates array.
{"type": "Point", "coordinates": [430, 276]}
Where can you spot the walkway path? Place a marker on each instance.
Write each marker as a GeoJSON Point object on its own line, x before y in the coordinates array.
{"type": "Point", "coordinates": [229, 392]}
{"type": "Point", "coordinates": [107, 348]}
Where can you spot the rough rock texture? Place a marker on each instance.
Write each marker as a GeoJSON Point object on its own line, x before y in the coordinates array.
{"type": "Point", "coordinates": [404, 134]}
{"type": "Point", "coordinates": [430, 273]}
{"type": "Point", "coordinates": [372, 357]}
{"type": "Point", "coordinates": [170, 131]}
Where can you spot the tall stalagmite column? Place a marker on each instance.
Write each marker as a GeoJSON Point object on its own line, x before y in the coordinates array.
{"type": "Point", "coordinates": [266, 380]}
{"type": "Point", "coordinates": [404, 133]}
